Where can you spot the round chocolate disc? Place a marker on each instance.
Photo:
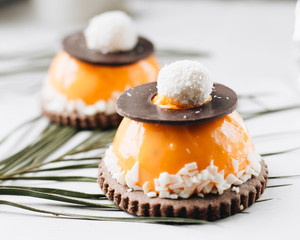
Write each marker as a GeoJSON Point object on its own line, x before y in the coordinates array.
{"type": "Point", "coordinates": [75, 45]}
{"type": "Point", "coordinates": [136, 104]}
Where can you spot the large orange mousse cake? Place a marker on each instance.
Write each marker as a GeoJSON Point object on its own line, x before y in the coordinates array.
{"type": "Point", "coordinates": [223, 143]}
{"type": "Point", "coordinates": [182, 145]}
{"type": "Point", "coordinates": [83, 83]}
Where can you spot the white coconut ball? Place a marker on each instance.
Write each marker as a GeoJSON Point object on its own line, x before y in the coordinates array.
{"type": "Point", "coordinates": [186, 82]}
{"type": "Point", "coordinates": [112, 31]}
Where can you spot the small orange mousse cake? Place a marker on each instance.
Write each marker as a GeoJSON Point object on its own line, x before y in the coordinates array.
{"type": "Point", "coordinates": [182, 139]}
{"type": "Point", "coordinates": [95, 67]}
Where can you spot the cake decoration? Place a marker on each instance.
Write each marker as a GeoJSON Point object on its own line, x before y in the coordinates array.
{"type": "Point", "coordinates": [186, 84]}
{"type": "Point", "coordinates": [182, 166]}
{"type": "Point", "coordinates": [75, 45]}
{"type": "Point", "coordinates": [137, 104]}
{"type": "Point", "coordinates": [111, 32]}
{"type": "Point", "coordinates": [109, 39]}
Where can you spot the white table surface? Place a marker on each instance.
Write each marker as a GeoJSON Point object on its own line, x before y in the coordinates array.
{"type": "Point", "coordinates": [250, 49]}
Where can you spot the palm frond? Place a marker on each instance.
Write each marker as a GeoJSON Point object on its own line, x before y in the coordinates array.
{"type": "Point", "coordinates": [102, 218]}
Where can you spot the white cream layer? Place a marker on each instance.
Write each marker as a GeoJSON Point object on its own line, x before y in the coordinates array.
{"type": "Point", "coordinates": [186, 181]}
{"type": "Point", "coordinates": [56, 102]}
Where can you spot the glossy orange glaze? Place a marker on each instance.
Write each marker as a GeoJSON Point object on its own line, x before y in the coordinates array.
{"type": "Point", "coordinates": [169, 103]}
{"type": "Point", "coordinates": [79, 80]}
{"type": "Point", "coordinates": [166, 148]}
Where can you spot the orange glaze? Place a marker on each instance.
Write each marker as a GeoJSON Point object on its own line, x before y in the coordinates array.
{"type": "Point", "coordinates": [79, 80]}
{"type": "Point", "coordinates": [169, 103]}
{"type": "Point", "coordinates": [166, 148]}
{"type": "Point", "coordinates": [166, 102]}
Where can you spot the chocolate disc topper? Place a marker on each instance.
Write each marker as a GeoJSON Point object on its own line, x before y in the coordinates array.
{"type": "Point", "coordinates": [75, 45]}
{"type": "Point", "coordinates": [136, 104]}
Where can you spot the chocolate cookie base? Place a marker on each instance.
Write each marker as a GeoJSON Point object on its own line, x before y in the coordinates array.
{"type": "Point", "coordinates": [211, 207]}
{"type": "Point", "coordinates": [99, 120]}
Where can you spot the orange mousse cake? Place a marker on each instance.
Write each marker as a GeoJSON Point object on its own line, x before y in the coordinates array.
{"type": "Point", "coordinates": [182, 150]}
{"type": "Point", "coordinates": [95, 67]}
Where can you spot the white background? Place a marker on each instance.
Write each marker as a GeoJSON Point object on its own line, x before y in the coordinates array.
{"type": "Point", "coordinates": [250, 49]}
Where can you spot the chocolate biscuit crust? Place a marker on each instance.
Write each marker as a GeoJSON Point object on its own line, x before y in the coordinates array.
{"type": "Point", "coordinates": [99, 120]}
{"type": "Point", "coordinates": [211, 207]}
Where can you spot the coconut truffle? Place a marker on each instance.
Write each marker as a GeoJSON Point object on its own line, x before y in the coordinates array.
{"type": "Point", "coordinates": [112, 31]}
{"type": "Point", "coordinates": [186, 82]}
